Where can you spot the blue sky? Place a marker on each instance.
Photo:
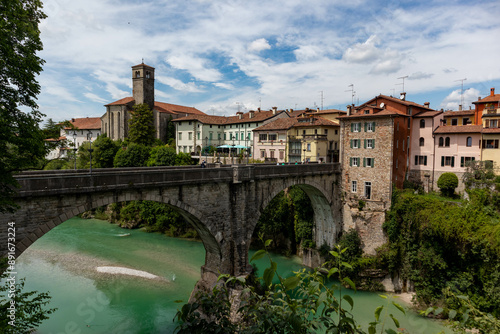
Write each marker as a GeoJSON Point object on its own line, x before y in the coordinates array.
{"type": "Point", "coordinates": [221, 55]}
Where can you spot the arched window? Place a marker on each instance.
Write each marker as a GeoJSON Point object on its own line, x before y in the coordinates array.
{"type": "Point", "coordinates": [422, 123]}
{"type": "Point", "coordinates": [137, 74]}
{"type": "Point", "coordinates": [469, 142]}
{"type": "Point", "coordinates": [421, 141]}
{"type": "Point", "coordinates": [441, 141]}
{"type": "Point", "coordinates": [447, 142]}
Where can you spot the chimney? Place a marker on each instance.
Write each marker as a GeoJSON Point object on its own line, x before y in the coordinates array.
{"type": "Point", "coordinates": [349, 110]}
{"type": "Point", "coordinates": [317, 109]}
{"type": "Point", "coordinates": [251, 114]}
{"type": "Point", "coordinates": [73, 120]}
{"type": "Point", "coordinates": [275, 109]}
{"type": "Point", "coordinates": [459, 107]}
{"type": "Point", "coordinates": [240, 114]}
{"type": "Point", "coordinates": [427, 104]}
{"type": "Point", "coordinates": [402, 96]}
{"type": "Point", "coordinates": [258, 109]}
{"type": "Point", "coordinates": [479, 98]}
{"type": "Point", "coordinates": [291, 110]}
{"type": "Point", "coordinates": [492, 91]}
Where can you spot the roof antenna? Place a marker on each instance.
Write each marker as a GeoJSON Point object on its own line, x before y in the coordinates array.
{"type": "Point", "coordinates": [461, 91]}
{"type": "Point", "coordinates": [143, 60]}
{"type": "Point", "coordinates": [403, 82]}
{"type": "Point", "coordinates": [352, 93]}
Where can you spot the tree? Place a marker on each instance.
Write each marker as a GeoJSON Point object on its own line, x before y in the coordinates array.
{"type": "Point", "coordinates": [104, 151]}
{"type": "Point", "coordinates": [21, 140]}
{"type": "Point", "coordinates": [162, 156]}
{"type": "Point", "coordinates": [183, 159]}
{"type": "Point", "coordinates": [447, 182]}
{"type": "Point", "coordinates": [142, 130]}
{"type": "Point", "coordinates": [134, 155]}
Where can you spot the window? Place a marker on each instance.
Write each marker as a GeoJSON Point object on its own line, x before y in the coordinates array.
{"type": "Point", "coordinates": [137, 74]}
{"type": "Point", "coordinates": [409, 122]}
{"type": "Point", "coordinates": [454, 121]}
{"type": "Point", "coordinates": [230, 136]}
{"type": "Point", "coordinates": [198, 135]}
{"type": "Point", "coordinates": [303, 132]}
{"type": "Point", "coordinates": [490, 143]}
{"type": "Point", "coordinates": [465, 161]}
{"type": "Point", "coordinates": [370, 127]}
{"type": "Point", "coordinates": [468, 142]}
{"type": "Point", "coordinates": [272, 154]}
{"type": "Point", "coordinates": [225, 135]}
{"type": "Point", "coordinates": [354, 162]}
{"type": "Point", "coordinates": [368, 162]}
{"type": "Point", "coordinates": [336, 132]}
{"type": "Point", "coordinates": [326, 131]}
{"type": "Point", "coordinates": [447, 161]}
{"type": "Point", "coordinates": [180, 135]}
{"type": "Point", "coordinates": [262, 153]}
{"type": "Point", "coordinates": [272, 136]}
{"type": "Point", "coordinates": [354, 186]}
{"type": "Point", "coordinates": [493, 123]}
{"type": "Point", "coordinates": [315, 131]}
{"type": "Point", "coordinates": [441, 141]}
{"type": "Point", "coordinates": [367, 112]}
{"type": "Point", "coordinates": [190, 123]}
{"type": "Point", "coordinates": [148, 75]}
{"type": "Point", "coordinates": [466, 121]}
{"type": "Point", "coordinates": [236, 134]}
{"type": "Point", "coordinates": [447, 142]}
{"type": "Point", "coordinates": [249, 136]}
{"type": "Point", "coordinates": [368, 190]}
{"type": "Point", "coordinates": [355, 127]}
{"type": "Point", "coordinates": [369, 143]}
{"type": "Point", "coordinates": [421, 141]}
{"type": "Point", "coordinates": [282, 154]}
{"type": "Point", "coordinates": [242, 135]}
{"type": "Point", "coordinates": [422, 123]}
{"type": "Point", "coordinates": [354, 143]}
{"type": "Point", "coordinates": [190, 135]}
{"type": "Point", "coordinates": [218, 135]}
{"type": "Point", "coordinates": [308, 147]}
{"type": "Point", "coordinates": [421, 160]}
{"type": "Point", "coordinates": [263, 137]}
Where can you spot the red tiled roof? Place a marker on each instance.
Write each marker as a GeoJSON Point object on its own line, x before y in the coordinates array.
{"type": "Point", "coordinates": [374, 112]}
{"type": "Point", "coordinates": [394, 99]}
{"type": "Point", "coordinates": [258, 116]}
{"type": "Point", "coordinates": [176, 109]}
{"type": "Point", "coordinates": [143, 65]}
{"type": "Point", "coordinates": [488, 99]}
{"type": "Point", "coordinates": [125, 100]}
{"type": "Point", "coordinates": [458, 113]}
{"type": "Point", "coordinates": [459, 129]}
{"type": "Point", "coordinates": [287, 123]}
{"type": "Point", "coordinates": [90, 123]}
{"type": "Point", "coordinates": [491, 130]}
{"type": "Point", "coordinates": [428, 114]}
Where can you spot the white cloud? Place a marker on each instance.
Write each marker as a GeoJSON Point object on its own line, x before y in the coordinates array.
{"type": "Point", "coordinates": [454, 99]}
{"type": "Point", "coordinates": [95, 98]}
{"type": "Point", "coordinates": [176, 84]}
{"type": "Point", "coordinates": [196, 66]}
{"type": "Point", "coordinates": [259, 45]}
{"type": "Point", "coordinates": [420, 75]}
{"type": "Point", "coordinates": [224, 85]}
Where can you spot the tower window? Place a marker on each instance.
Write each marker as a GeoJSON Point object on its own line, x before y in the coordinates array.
{"type": "Point", "coordinates": [137, 74]}
{"type": "Point", "coordinates": [148, 74]}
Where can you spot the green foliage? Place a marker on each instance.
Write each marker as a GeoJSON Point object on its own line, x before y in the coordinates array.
{"type": "Point", "coordinates": [184, 159]}
{"type": "Point", "coordinates": [135, 155]}
{"type": "Point", "coordinates": [21, 139]}
{"type": "Point", "coordinates": [30, 307]}
{"type": "Point", "coordinates": [302, 303]}
{"type": "Point", "coordinates": [162, 156]}
{"type": "Point", "coordinates": [104, 153]}
{"type": "Point", "coordinates": [361, 205]}
{"type": "Point", "coordinates": [438, 244]}
{"type": "Point", "coordinates": [58, 164]}
{"type": "Point", "coordinates": [447, 182]}
{"type": "Point", "coordinates": [141, 127]}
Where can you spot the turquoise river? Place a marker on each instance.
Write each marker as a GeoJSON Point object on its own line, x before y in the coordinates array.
{"type": "Point", "coordinates": [82, 264]}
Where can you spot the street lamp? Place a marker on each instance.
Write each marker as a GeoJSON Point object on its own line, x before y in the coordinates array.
{"type": "Point", "coordinates": [90, 149]}
{"type": "Point", "coordinates": [74, 146]}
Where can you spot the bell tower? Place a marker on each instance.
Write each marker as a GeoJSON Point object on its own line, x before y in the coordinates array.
{"type": "Point", "coordinates": [143, 83]}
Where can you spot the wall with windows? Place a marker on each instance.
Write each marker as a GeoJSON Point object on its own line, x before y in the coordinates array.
{"type": "Point", "coordinates": [270, 145]}
{"type": "Point", "coordinates": [491, 147]}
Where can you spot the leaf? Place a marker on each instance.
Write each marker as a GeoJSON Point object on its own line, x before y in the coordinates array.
{"type": "Point", "coordinates": [429, 310]}
{"type": "Point", "coordinates": [351, 283]}
{"type": "Point", "coordinates": [332, 271]}
{"type": "Point", "coordinates": [372, 330]}
{"type": "Point", "coordinates": [347, 265]}
{"type": "Point", "coordinates": [268, 242]}
{"type": "Point", "coordinates": [383, 296]}
{"type": "Point", "coordinates": [399, 307]}
{"type": "Point", "coordinates": [438, 311]}
{"type": "Point", "coordinates": [349, 300]}
{"type": "Point", "coordinates": [377, 312]}
{"type": "Point", "coordinates": [396, 322]}
{"type": "Point", "coordinates": [452, 314]}
{"type": "Point", "coordinates": [391, 331]}
{"type": "Point", "coordinates": [292, 282]}
{"type": "Point", "coordinates": [334, 253]}
{"type": "Point", "coordinates": [269, 274]}
{"type": "Point", "coordinates": [258, 255]}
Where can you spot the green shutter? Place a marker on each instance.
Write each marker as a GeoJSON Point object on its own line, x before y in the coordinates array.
{"type": "Point", "coordinates": [373, 162]}
{"type": "Point", "coordinates": [365, 142]}
{"type": "Point", "coordinates": [425, 160]}
{"type": "Point", "coordinates": [351, 143]}
{"type": "Point", "coordinates": [373, 124]}
{"type": "Point", "coordinates": [365, 126]}
{"type": "Point", "coordinates": [352, 127]}
{"type": "Point", "coordinates": [452, 161]}
{"type": "Point", "coordinates": [350, 162]}
{"type": "Point", "coordinates": [373, 142]}
{"type": "Point", "coordinates": [442, 161]}
{"type": "Point", "coordinates": [364, 162]}
{"type": "Point", "coordinates": [462, 161]}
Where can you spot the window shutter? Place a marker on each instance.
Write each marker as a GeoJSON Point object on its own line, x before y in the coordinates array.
{"type": "Point", "coordinates": [442, 161]}
{"type": "Point", "coordinates": [462, 161]}
{"type": "Point", "coordinates": [416, 160]}
{"type": "Point", "coordinates": [365, 126]}
{"type": "Point", "coordinates": [350, 162]}
{"type": "Point", "coordinates": [473, 159]}
{"type": "Point", "coordinates": [373, 162]}
{"type": "Point", "coordinates": [373, 140]}
{"type": "Point", "coordinates": [352, 127]}
{"type": "Point", "coordinates": [365, 142]}
{"type": "Point", "coordinates": [425, 160]}
{"type": "Point", "coordinates": [373, 126]}
{"type": "Point", "coordinates": [351, 143]}
{"type": "Point", "coordinates": [452, 161]}
{"type": "Point", "coordinates": [364, 162]}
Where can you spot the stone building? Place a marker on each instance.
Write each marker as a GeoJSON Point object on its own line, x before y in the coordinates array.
{"type": "Point", "coordinates": [115, 122]}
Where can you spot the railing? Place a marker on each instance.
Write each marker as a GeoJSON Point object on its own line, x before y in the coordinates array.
{"type": "Point", "coordinates": [308, 137]}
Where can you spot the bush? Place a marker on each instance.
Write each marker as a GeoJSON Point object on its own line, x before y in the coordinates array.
{"type": "Point", "coordinates": [135, 155]}
{"type": "Point", "coordinates": [447, 182]}
{"type": "Point", "coordinates": [162, 156]}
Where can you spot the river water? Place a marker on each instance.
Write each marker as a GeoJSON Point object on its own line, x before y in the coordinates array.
{"type": "Point", "coordinates": [93, 271]}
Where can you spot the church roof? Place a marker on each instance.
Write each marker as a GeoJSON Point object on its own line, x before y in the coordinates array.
{"type": "Point", "coordinates": [161, 107]}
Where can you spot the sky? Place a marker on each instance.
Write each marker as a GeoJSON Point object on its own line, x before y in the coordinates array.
{"type": "Point", "coordinates": [224, 56]}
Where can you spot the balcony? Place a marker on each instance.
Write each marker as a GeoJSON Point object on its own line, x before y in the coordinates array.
{"type": "Point", "coordinates": [307, 137]}
{"type": "Point", "coordinates": [492, 111]}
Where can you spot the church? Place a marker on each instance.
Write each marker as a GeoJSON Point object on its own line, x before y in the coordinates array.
{"type": "Point", "coordinates": [115, 122]}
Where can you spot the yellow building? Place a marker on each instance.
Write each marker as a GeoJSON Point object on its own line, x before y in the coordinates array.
{"type": "Point", "coordinates": [487, 113]}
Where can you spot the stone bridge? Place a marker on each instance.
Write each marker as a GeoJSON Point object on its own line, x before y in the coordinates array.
{"type": "Point", "coordinates": [223, 204]}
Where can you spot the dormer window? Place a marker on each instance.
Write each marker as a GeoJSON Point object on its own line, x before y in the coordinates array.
{"type": "Point", "coordinates": [367, 112]}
